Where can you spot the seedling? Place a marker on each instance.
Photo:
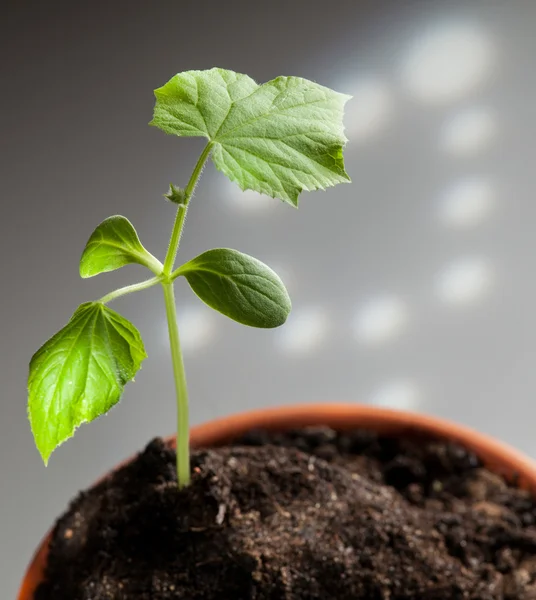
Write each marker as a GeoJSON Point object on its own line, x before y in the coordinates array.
{"type": "Point", "coordinates": [279, 139]}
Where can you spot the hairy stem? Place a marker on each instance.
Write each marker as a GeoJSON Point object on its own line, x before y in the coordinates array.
{"type": "Point", "coordinates": [179, 374]}
{"type": "Point", "coordinates": [178, 225]}
{"type": "Point", "coordinates": [183, 427]}
{"type": "Point", "coordinates": [129, 289]}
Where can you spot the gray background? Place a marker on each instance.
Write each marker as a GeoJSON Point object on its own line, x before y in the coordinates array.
{"type": "Point", "coordinates": [414, 287]}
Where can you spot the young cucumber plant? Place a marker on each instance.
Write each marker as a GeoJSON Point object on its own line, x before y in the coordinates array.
{"type": "Point", "coordinates": [279, 139]}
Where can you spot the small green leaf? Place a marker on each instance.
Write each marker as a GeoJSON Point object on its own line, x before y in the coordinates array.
{"type": "Point", "coordinates": [175, 194]}
{"type": "Point", "coordinates": [79, 374]}
{"type": "Point", "coordinates": [279, 138]}
{"type": "Point", "coordinates": [239, 286]}
{"type": "Point", "coordinates": [112, 245]}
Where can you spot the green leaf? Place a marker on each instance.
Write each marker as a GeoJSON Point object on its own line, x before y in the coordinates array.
{"type": "Point", "coordinates": [112, 245]}
{"type": "Point", "coordinates": [79, 374]}
{"type": "Point", "coordinates": [279, 138]}
{"type": "Point", "coordinates": [175, 194]}
{"type": "Point", "coordinates": [239, 286]}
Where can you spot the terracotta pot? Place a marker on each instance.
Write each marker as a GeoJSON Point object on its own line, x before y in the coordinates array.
{"type": "Point", "coordinates": [498, 457]}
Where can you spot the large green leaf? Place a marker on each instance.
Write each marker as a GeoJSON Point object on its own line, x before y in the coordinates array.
{"type": "Point", "coordinates": [79, 374]}
{"type": "Point", "coordinates": [114, 244]}
{"type": "Point", "coordinates": [279, 138]}
{"type": "Point", "coordinates": [239, 286]}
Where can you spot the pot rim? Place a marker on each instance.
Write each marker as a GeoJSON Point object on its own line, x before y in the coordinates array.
{"type": "Point", "coordinates": [498, 456]}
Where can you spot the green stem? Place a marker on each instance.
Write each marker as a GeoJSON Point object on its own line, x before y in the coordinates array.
{"type": "Point", "coordinates": [183, 429]}
{"type": "Point", "coordinates": [183, 423]}
{"type": "Point", "coordinates": [178, 225]}
{"type": "Point", "coordinates": [128, 289]}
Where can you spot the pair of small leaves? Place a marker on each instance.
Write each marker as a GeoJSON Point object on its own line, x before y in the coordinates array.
{"type": "Point", "coordinates": [235, 284]}
{"type": "Point", "coordinates": [80, 373]}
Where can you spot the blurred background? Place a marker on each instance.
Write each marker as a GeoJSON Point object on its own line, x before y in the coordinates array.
{"type": "Point", "coordinates": [413, 287]}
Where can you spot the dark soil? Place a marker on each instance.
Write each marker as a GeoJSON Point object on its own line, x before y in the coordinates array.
{"type": "Point", "coordinates": [300, 516]}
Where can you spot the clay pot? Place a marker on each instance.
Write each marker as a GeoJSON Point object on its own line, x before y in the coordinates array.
{"type": "Point", "coordinates": [498, 457]}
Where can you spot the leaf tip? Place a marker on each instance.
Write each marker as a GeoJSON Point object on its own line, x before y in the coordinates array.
{"type": "Point", "coordinates": [44, 457]}
{"type": "Point", "coordinates": [294, 202]}
{"type": "Point", "coordinates": [44, 452]}
{"type": "Point", "coordinates": [84, 273]}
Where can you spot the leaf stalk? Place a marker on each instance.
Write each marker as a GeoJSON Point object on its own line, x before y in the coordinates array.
{"type": "Point", "coordinates": [129, 289]}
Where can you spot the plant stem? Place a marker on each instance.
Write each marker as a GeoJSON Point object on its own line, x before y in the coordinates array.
{"type": "Point", "coordinates": [183, 427]}
{"type": "Point", "coordinates": [179, 374]}
{"type": "Point", "coordinates": [178, 225]}
{"type": "Point", "coordinates": [128, 289]}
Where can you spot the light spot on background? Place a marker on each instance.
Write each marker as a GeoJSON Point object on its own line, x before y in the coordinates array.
{"type": "Point", "coordinates": [304, 331]}
{"type": "Point", "coordinates": [447, 62]}
{"type": "Point", "coordinates": [464, 282]}
{"type": "Point", "coordinates": [249, 201]}
{"type": "Point", "coordinates": [468, 132]}
{"type": "Point", "coordinates": [369, 111]}
{"type": "Point", "coordinates": [401, 395]}
{"type": "Point", "coordinates": [380, 320]}
{"type": "Point", "coordinates": [466, 202]}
